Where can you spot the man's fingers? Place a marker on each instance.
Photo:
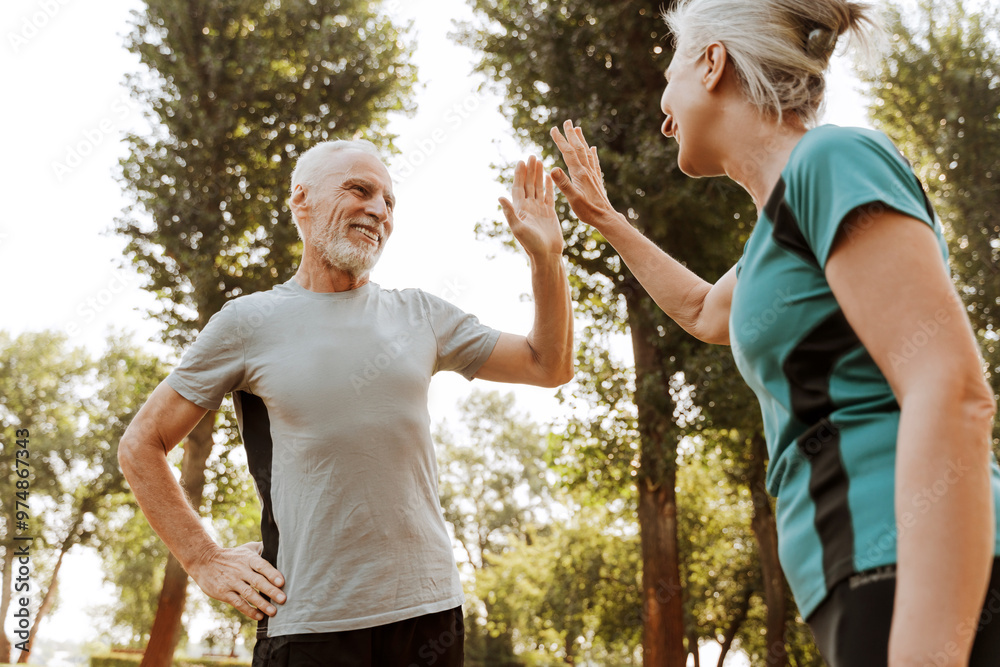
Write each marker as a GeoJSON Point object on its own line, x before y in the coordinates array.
{"type": "Point", "coordinates": [250, 597]}
{"type": "Point", "coordinates": [267, 588]}
{"type": "Point", "coordinates": [517, 190]}
{"type": "Point", "coordinates": [244, 606]}
{"type": "Point", "coordinates": [508, 211]}
{"type": "Point", "coordinates": [539, 179]}
{"type": "Point", "coordinates": [268, 571]}
{"type": "Point", "coordinates": [529, 178]}
{"type": "Point", "coordinates": [549, 192]}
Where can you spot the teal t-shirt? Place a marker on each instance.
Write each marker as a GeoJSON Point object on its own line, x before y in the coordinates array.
{"type": "Point", "coordinates": [830, 417]}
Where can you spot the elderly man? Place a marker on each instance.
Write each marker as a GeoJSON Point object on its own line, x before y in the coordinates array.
{"type": "Point", "coordinates": [329, 375]}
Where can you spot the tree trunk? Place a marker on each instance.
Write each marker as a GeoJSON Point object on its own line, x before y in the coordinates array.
{"type": "Point", "coordinates": [765, 530]}
{"type": "Point", "coordinates": [166, 629]}
{"type": "Point", "coordinates": [663, 629]}
{"type": "Point", "coordinates": [570, 648]}
{"type": "Point", "coordinates": [663, 610]}
{"type": "Point", "coordinates": [50, 593]}
{"type": "Point", "coordinates": [692, 649]}
{"type": "Point", "coordinates": [734, 626]}
{"type": "Point", "coordinates": [8, 569]}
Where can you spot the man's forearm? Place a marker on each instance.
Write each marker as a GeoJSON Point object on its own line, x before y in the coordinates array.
{"type": "Point", "coordinates": [551, 336]}
{"type": "Point", "coordinates": [164, 503]}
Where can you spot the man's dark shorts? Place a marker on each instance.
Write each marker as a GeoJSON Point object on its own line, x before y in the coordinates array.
{"type": "Point", "coordinates": [435, 639]}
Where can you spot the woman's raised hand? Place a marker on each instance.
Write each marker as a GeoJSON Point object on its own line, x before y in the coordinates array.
{"type": "Point", "coordinates": [584, 186]}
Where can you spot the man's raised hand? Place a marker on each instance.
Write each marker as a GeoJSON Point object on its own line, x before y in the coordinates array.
{"type": "Point", "coordinates": [240, 577]}
{"type": "Point", "coordinates": [532, 214]}
{"type": "Point", "coordinates": [584, 186]}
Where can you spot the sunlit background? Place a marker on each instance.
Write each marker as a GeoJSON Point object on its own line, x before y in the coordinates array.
{"type": "Point", "coordinates": [64, 112]}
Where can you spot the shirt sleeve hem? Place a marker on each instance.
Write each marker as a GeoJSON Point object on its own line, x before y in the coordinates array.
{"type": "Point", "coordinates": [182, 388]}
{"type": "Point", "coordinates": [490, 342]}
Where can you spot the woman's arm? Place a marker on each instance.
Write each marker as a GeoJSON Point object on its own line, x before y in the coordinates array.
{"type": "Point", "coordinates": [700, 308]}
{"type": "Point", "coordinates": [888, 276]}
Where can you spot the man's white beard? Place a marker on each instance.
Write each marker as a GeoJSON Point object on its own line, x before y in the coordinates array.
{"type": "Point", "coordinates": [338, 251]}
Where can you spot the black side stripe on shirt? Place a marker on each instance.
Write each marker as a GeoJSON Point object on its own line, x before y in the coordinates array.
{"type": "Point", "coordinates": [786, 231]}
{"type": "Point", "coordinates": [808, 370]}
{"type": "Point", "coordinates": [259, 446]}
{"type": "Point", "coordinates": [828, 486]}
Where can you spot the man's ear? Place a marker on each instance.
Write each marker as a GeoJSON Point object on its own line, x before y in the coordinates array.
{"type": "Point", "coordinates": [299, 204]}
{"type": "Point", "coordinates": [716, 59]}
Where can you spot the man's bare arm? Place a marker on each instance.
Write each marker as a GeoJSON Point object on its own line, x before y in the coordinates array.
{"type": "Point", "coordinates": [236, 575]}
{"type": "Point", "coordinates": [545, 356]}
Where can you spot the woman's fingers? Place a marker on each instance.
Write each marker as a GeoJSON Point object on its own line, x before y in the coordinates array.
{"type": "Point", "coordinates": [563, 182]}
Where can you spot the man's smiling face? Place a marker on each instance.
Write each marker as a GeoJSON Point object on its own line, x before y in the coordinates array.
{"type": "Point", "coordinates": [352, 213]}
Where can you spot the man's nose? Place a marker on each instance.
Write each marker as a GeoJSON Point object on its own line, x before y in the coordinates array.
{"type": "Point", "coordinates": [377, 209]}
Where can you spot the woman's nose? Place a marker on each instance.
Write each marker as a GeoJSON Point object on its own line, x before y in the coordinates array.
{"type": "Point", "coordinates": [668, 127]}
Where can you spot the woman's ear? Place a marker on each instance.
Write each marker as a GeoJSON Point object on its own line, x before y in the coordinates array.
{"type": "Point", "coordinates": [716, 58]}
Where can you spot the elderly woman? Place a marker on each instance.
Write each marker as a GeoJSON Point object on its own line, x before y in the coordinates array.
{"type": "Point", "coordinates": [877, 414]}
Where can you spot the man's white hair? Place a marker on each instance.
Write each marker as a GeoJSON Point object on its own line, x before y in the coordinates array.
{"type": "Point", "coordinates": [313, 166]}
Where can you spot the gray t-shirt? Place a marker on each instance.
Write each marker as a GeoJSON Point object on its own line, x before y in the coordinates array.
{"type": "Point", "coordinates": [330, 392]}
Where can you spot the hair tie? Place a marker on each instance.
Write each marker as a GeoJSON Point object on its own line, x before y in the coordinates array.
{"type": "Point", "coordinates": [821, 43]}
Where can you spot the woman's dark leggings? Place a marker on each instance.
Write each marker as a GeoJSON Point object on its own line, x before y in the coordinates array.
{"type": "Point", "coordinates": [852, 625]}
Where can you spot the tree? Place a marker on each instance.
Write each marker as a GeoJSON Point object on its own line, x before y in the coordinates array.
{"type": "Point", "coordinates": [234, 92]}
{"type": "Point", "coordinates": [494, 492]}
{"type": "Point", "coordinates": [91, 481]}
{"type": "Point", "coordinates": [40, 381]}
{"type": "Point", "coordinates": [235, 511]}
{"type": "Point", "coordinates": [570, 591]}
{"type": "Point", "coordinates": [601, 64]}
{"type": "Point", "coordinates": [936, 95]}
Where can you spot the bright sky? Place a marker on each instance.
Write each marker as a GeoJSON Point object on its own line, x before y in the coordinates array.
{"type": "Point", "coordinates": [63, 64]}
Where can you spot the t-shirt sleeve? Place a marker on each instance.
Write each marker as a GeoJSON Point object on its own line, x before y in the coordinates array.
{"type": "Point", "coordinates": [463, 343]}
{"type": "Point", "coordinates": [214, 365]}
{"type": "Point", "coordinates": [843, 170]}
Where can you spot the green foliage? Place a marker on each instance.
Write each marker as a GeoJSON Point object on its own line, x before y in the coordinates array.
{"type": "Point", "coordinates": [937, 95]}
{"type": "Point", "coordinates": [569, 592]}
{"type": "Point", "coordinates": [494, 491]}
{"type": "Point", "coordinates": [493, 484]}
{"type": "Point", "coordinates": [719, 552]}
{"type": "Point", "coordinates": [76, 409]}
{"type": "Point", "coordinates": [601, 64]}
{"type": "Point", "coordinates": [235, 91]}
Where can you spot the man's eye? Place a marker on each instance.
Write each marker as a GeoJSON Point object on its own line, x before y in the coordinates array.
{"type": "Point", "coordinates": [388, 204]}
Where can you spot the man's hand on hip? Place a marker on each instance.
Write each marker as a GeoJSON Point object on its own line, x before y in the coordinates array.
{"type": "Point", "coordinates": [240, 577]}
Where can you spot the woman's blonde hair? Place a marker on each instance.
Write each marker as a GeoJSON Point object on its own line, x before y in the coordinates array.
{"type": "Point", "coordinates": [780, 49]}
